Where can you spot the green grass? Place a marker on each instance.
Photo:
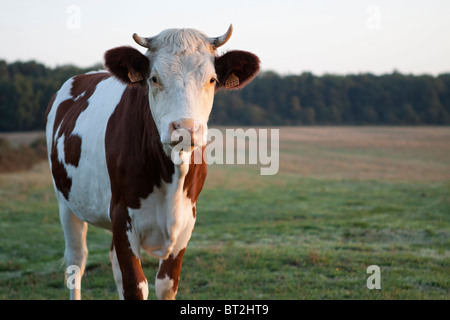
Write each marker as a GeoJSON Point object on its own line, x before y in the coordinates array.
{"type": "Point", "coordinates": [285, 237]}
{"type": "Point", "coordinates": [289, 236]}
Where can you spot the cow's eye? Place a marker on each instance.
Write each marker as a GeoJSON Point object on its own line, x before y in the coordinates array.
{"type": "Point", "coordinates": [154, 80]}
{"type": "Point", "coordinates": [213, 80]}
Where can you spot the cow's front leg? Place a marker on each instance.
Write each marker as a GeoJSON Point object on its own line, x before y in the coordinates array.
{"type": "Point", "coordinates": [168, 276]}
{"type": "Point", "coordinates": [166, 283]}
{"type": "Point", "coordinates": [125, 254]}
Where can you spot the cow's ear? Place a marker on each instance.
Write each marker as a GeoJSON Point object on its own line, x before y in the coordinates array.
{"type": "Point", "coordinates": [235, 69]}
{"type": "Point", "coordinates": [128, 65]}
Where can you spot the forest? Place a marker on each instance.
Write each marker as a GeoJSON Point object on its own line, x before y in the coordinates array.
{"type": "Point", "coordinates": [270, 100]}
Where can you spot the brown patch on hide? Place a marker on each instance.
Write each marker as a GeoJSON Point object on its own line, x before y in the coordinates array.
{"type": "Point", "coordinates": [72, 150]}
{"type": "Point", "coordinates": [195, 178]}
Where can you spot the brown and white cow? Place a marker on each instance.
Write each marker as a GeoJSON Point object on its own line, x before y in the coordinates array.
{"type": "Point", "coordinates": [110, 137]}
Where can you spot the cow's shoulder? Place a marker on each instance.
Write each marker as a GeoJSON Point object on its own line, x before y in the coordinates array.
{"type": "Point", "coordinates": [75, 100]}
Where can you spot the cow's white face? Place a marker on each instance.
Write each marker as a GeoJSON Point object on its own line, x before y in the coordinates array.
{"type": "Point", "coordinates": [182, 72]}
{"type": "Point", "coordinates": [182, 84]}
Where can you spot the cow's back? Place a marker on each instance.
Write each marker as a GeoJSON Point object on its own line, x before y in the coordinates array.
{"type": "Point", "coordinates": [77, 118]}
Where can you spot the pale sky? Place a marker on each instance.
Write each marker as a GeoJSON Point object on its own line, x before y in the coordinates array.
{"type": "Point", "coordinates": [290, 37]}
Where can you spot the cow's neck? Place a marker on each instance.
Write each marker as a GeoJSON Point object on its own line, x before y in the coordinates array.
{"type": "Point", "coordinates": [136, 161]}
{"type": "Point", "coordinates": [134, 149]}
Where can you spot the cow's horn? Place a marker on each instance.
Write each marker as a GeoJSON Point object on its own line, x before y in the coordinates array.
{"type": "Point", "coordinates": [220, 41]}
{"type": "Point", "coordinates": [145, 42]}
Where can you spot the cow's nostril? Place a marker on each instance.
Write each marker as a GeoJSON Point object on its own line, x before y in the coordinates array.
{"type": "Point", "coordinates": [186, 129]}
{"type": "Point", "coordinates": [176, 125]}
{"type": "Point", "coordinates": [188, 125]}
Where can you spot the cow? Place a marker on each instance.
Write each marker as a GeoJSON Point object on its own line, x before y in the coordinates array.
{"type": "Point", "coordinates": [110, 138]}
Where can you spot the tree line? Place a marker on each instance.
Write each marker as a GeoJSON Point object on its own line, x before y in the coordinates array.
{"type": "Point", "coordinates": [271, 99]}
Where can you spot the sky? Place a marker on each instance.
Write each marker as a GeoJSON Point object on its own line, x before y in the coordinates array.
{"type": "Point", "coordinates": [290, 37]}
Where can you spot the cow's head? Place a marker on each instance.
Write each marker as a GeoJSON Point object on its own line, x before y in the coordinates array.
{"type": "Point", "coordinates": [182, 71]}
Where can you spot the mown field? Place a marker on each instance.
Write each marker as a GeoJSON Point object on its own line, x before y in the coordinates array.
{"type": "Point", "coordinates": [345, 198]}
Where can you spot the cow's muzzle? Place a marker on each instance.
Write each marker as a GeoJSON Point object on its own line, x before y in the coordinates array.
{"type": "Point", "coordinates": [187, 132]}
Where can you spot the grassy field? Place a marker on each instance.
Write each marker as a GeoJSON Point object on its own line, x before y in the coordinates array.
{"type": "Point", "coordinates": [344, 199]}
